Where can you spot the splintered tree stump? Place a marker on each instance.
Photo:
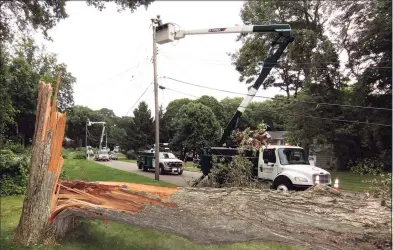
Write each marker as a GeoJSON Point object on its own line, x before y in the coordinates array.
{"type": "Point", "coordinates": [320, 218]}
{"type": "Point", "coordinates": [45, 167]}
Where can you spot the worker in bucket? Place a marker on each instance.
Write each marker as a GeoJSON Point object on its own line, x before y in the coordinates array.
{"type": "Point", "coordinates": [157, 20]}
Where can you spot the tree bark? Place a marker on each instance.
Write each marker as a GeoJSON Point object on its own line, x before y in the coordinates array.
{"type": "Point", "coordinates": [320, 218]}
{"type": "Point", "coordinates": [44, 168]}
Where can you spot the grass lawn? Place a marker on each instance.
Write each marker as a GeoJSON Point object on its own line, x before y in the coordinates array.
{"type": "Point", "coordinates": [350, 181]}
{"type": "Point", "coordinates": [192, 169]}
{"type": "Point", "coordinates": [92, 234]}
{"type": "Point", "coordinates": [92, 171]}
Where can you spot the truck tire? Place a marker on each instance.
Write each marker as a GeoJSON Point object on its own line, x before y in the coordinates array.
{"type": "Point", "coordinates": [180, 172]}
{"type": "Point", "coordinates": [283, 183]}
{"type": "Point", "coordinates": [161, 169]}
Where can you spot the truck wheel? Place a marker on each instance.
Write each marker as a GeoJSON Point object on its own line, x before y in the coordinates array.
{"type": "Point", "coordinates": [161, 170]}
{"type": "Point", "coordinates": [180, 172]}
{"type": "Point", "coordinates": [283, 184]}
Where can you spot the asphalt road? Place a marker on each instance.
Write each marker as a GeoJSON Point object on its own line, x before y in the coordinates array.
{"type": "Point", "coordinates": [180, 180]}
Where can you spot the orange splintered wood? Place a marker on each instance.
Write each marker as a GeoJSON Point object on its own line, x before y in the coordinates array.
{"type": "Point", "coordinates": [117, 196]}
{"type": "Point", "coordinates": [54, 103]}
{"type": "Point", "coordinates": [162, 192]}
{"type": "Point", "coordinates": [57, 141]}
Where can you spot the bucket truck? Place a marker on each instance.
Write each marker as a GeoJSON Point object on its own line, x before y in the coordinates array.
{"type": "Point", "coordinates": [102, 152]}
{"type": "Point", "coordinates": [284, 167]}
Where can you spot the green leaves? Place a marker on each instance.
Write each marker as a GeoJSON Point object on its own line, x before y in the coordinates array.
{"type": "Point", "coordinates": [196, 127]}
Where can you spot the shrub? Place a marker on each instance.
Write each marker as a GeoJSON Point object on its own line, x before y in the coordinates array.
{"type": "Point", "coordinates": [17, 148]}
{"type": "Point", "coordinates": [131, 155]}
{"type": "Point", "coordinates": [381, 186]}
{"type": "Point", "coordinates": [79, 156]}
{"type": "Point", "coordinates": [13, 172]}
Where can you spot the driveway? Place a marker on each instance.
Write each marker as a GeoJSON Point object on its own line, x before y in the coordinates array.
{"type": "Point", "coordinates": [180, 180]}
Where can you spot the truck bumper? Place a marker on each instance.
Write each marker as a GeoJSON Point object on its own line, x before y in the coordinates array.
{"type": "Point", "coordinates": [304, 187]}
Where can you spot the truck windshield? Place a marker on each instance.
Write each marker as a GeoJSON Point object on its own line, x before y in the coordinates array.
{"type": "Point", "coordinates": [292, 156]}
{"type": "Point", "coordinates": [167, 156]}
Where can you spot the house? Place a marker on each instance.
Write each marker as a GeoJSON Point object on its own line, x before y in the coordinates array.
{"type": "Point", "coordinates": [276, 137]}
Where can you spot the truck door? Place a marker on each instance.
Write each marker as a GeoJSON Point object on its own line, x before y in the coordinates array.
{"type": "Point", "coordinates": [267, 168]}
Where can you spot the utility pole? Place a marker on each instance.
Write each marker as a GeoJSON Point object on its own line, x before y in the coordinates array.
{"type": "Point", "coordinates": [156, 115]}
{"type": "Point", "coordinates": [86, 135]}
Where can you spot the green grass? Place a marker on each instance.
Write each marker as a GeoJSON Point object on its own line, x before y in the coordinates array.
{"type": "Point", "coordinates": [350, 181]}
{"type": "Point", "coordinates": [92, 234]}
{"type": "Point", "coordinates": [91, 171]}
{"type": "Point", "coordinates": [192, 169]}
{"type": "Point", "coordinates": [121, 156]}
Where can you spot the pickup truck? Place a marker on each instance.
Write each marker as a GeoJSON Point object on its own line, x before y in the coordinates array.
{"type": "Point", "coordinates": [284, 167]}
{"type": "Point", "coordinates": [168, 162]}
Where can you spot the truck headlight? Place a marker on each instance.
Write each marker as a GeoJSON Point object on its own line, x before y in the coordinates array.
{"type": "Point", "coordinates": [300, 179]}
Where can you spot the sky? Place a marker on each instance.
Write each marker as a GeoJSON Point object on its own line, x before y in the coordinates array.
{"type": "Point", "coordinates": [110, 53]}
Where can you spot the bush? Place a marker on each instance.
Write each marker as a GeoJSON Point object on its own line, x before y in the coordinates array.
{"type": "Point", "coordinates": [131, 155]}
{"type": "Point", "coordinates": [13, 172]}
{"type": "Point", "coordinates": [381, 186]}
{"type": "Point", "coordinates": [17, 148]}
{"type": "Point", "coordinates": [80, 156]}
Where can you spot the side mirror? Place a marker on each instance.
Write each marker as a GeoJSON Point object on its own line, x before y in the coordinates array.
{"type": "Point", "coordinates": [265, 161]}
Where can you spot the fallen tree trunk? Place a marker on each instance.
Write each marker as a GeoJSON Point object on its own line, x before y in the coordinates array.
{"type": "Point", "coordinates": [320, 218]}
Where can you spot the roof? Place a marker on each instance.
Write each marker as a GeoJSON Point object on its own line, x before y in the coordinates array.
{"type": "Point", "coordinates": [276, 135]}
{"type": "Point", "coordinates": [281, 146]}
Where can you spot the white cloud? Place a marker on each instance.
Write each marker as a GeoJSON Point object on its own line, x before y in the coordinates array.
{"type": "Point", "coordinates": [98, 46]}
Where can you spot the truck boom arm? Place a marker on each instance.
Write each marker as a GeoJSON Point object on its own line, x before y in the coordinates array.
{"type": "Point", "coordinates": [167, 33]}
{"type": "Point", "coordinates": [277, 48]}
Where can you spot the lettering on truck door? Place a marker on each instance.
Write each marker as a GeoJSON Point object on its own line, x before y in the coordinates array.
{"type": "Point", "coordinates": [268, 166]}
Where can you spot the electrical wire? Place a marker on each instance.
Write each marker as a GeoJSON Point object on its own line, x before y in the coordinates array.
{"type": "Point", "coordinates": [278, 65]}
{"type": "Point", "coordinates": [275, 98]}
{"type": "Point", "coordinates": [166, 88]}
{"type": "Point", "coordinates": [325, 118]}
{"type": "Point", "coordinates": [130, 68]}
{"type": "Point", "coordinates": [139, 99]}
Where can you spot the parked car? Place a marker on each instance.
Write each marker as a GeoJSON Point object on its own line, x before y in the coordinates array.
{"type": "Point", "coordinates": [102, 155]}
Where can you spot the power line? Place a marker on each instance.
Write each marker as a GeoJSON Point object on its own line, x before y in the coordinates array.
{"type": "Point", "coordinates": [275, 98]}
{"type": "Point", "coordinates": [325, 118]}
{"type": "Point", "coordinates": [138, 99]}
{"type": "Point", "coordinates": [163, 88]}
{"type": "Point", "coordinates": [278, 65]}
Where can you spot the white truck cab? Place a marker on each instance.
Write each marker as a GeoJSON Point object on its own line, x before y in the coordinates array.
{"type": "Point", "coordinates": [287, 168]}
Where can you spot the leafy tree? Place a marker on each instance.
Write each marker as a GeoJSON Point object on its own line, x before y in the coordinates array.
{"type": "Point", "coordinates": [215, 106]}
{"type": "Point", "coordinates": [171, 112]}
{"type": "Point", "coordinates": [141, 134]}
{"type": "Point", "coordinates": [46, 66]}
{"type": "Point", "coordinates": [294, 66]}
{"type": "Point", "coordinates": [22, 89]}
{"type": "Point", "coordinates": [22, 71]}
{"type": "Point", "coordinates": [196, 127]}
{"type": "Point", "coordinates": [7, 111]}
{"type": "Point", "coordinates": [364, 31]}
{"type": "Point", "coordinates": [164, 128]}
{"type": "Point", "coordinates": [76, 123]}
